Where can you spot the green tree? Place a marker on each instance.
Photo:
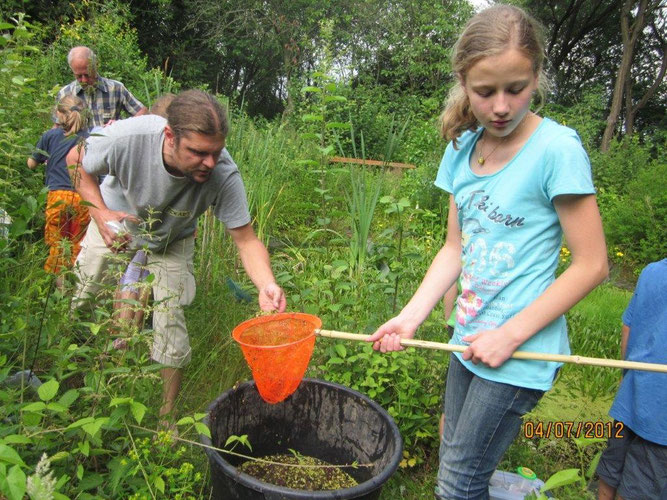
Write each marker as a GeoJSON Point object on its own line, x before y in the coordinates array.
{"type": "Point", "coordinates": [171, 42]}
{"type": "Point", "coordinates": [260, 47]}
{"type": "Point", "coordinates": [635, 17]}
{"type": "Point", "coordinates": [406, 45]}
{"type": "Point", "coordinates": [582, 40]}
{"type": "Point", "coordinates": [44, 11]}
{"type": "Point", "coordinates": [397, 56]}
{"type": "Point", "coordinates": [616, 47]}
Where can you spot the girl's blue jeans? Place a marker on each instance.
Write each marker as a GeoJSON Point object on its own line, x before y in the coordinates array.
{"type": "Point", "coordinates": [482, 418]}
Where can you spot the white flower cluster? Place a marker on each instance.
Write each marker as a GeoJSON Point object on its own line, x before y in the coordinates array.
{"type": "Point", "coordinates": [41, 485]}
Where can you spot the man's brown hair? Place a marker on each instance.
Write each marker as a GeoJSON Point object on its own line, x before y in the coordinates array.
{"type": "Point", "coordinates": [197, 111]}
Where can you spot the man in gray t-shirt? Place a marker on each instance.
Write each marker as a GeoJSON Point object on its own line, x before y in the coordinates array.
{"type": "Point", "coordinates": [170, 172]}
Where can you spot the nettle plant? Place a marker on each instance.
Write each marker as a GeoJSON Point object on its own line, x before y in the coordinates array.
{"type": "Point", "coordinates": [576, 478]}
{"type": "Point", "coordinates": [323, 105]}
{"type": "Point", "coordinates": [78, 415]}
{"type": "Point", "coordinates": [395, 208]}
{"type": "Point", "coordinates": [81, 433]}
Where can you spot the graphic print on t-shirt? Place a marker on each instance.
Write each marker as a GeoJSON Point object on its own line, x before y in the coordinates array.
{"type": "Point", "coordinates": [487, 262]}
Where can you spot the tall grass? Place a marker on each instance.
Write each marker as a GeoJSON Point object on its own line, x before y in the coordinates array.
{"type": "Point", "coordinates": [261, 157]}
{"type": "Point", "coordinates": [156, 83]}
{"type": "Point", "coordinates": [362, 198]}
{"type": "Point", "coordinates": [217, 363]}
{"type": "Point", "coordinates": [363, 194]}
{"type": "Point", "coordinates": [595, 330]}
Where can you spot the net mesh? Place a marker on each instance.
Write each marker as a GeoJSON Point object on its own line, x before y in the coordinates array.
{"type": "Point", "coordinates": [277, 349]}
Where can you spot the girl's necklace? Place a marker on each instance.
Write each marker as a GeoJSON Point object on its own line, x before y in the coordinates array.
{"type": "Point", "coordinates": [481, 159]}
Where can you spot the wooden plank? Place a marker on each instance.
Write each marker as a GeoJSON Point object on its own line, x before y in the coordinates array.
{"type": "Point", "coordinates": [376, 163]}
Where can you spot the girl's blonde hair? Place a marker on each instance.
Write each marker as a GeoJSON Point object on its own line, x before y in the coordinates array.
{"type": "Point", "coordinates": [71, 113]}
{"type": "Point", "coordinates": [489, 33]}
{"type": "Point", "coordinates": [161, 104]}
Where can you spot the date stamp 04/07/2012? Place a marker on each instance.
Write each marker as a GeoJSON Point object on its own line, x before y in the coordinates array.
{"type": "Point", "coordinates": [564, 429]}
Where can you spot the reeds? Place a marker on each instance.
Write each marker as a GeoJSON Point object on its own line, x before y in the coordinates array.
{"type": "Point", "coordinates": [261, 158]}
{"type": "Point", "coordinates": [363, 194]}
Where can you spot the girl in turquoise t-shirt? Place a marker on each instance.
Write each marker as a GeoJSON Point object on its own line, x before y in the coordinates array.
{"type": "Point", "coordinates": [517, 183]}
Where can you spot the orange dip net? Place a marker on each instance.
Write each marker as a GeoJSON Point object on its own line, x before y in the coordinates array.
{"type": "Point", "coordinates": [277, 348]}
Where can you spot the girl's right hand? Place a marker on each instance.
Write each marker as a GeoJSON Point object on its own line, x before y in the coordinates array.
{"type": "Point", "coordinates": [388, 337]}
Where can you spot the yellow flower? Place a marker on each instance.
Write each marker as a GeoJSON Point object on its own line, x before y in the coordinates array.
{"type": "Point", "coordinates": [619, 254]}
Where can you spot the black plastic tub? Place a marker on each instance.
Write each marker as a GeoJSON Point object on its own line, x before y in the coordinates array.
{"type": "Point", "coordinates": [321, 419]}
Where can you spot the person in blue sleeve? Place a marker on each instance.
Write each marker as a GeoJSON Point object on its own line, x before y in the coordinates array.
{"type": "Point", "coordinates": [634, 465]}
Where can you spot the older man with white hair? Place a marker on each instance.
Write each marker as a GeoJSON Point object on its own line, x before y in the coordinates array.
{"type": "Point", "coordinates": [105, 98]}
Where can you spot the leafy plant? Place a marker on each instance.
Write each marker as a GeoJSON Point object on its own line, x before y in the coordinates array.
{"type": "Point", "coordinates": [235, 440]}
{"type": "Point", "coordinates": [580, 475]}
{"type": "Point", "coordinates": [396, 207]}
{"type": "Point", "coordinates": [407, 384]}
{"type": "Point", "coordinates": [632, 221]}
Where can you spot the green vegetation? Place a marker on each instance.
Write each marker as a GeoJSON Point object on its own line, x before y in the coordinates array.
{"type": "Point", "coordinates": [348, 244]}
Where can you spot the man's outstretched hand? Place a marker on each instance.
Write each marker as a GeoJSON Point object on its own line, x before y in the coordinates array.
{"type": "Point", "coordinates": [272, 298]}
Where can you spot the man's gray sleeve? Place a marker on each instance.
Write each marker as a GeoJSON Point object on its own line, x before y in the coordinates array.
{"type": "Point", "coordinates": [98, 159]}
{"type": "Point", "coordinates": [232, 205]}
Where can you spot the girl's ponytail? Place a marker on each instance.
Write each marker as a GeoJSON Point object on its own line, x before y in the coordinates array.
{"type": "Point", "coordinates": [71, 112]}
{"type": "Point", "coordinates": [457, 117]}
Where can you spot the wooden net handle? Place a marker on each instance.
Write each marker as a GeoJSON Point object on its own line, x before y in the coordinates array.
{"type": "Point", "coordinates": [539, 356]}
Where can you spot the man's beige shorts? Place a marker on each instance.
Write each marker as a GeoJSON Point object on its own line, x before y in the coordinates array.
{"type": "Point", "coordinates": [173, 288]}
